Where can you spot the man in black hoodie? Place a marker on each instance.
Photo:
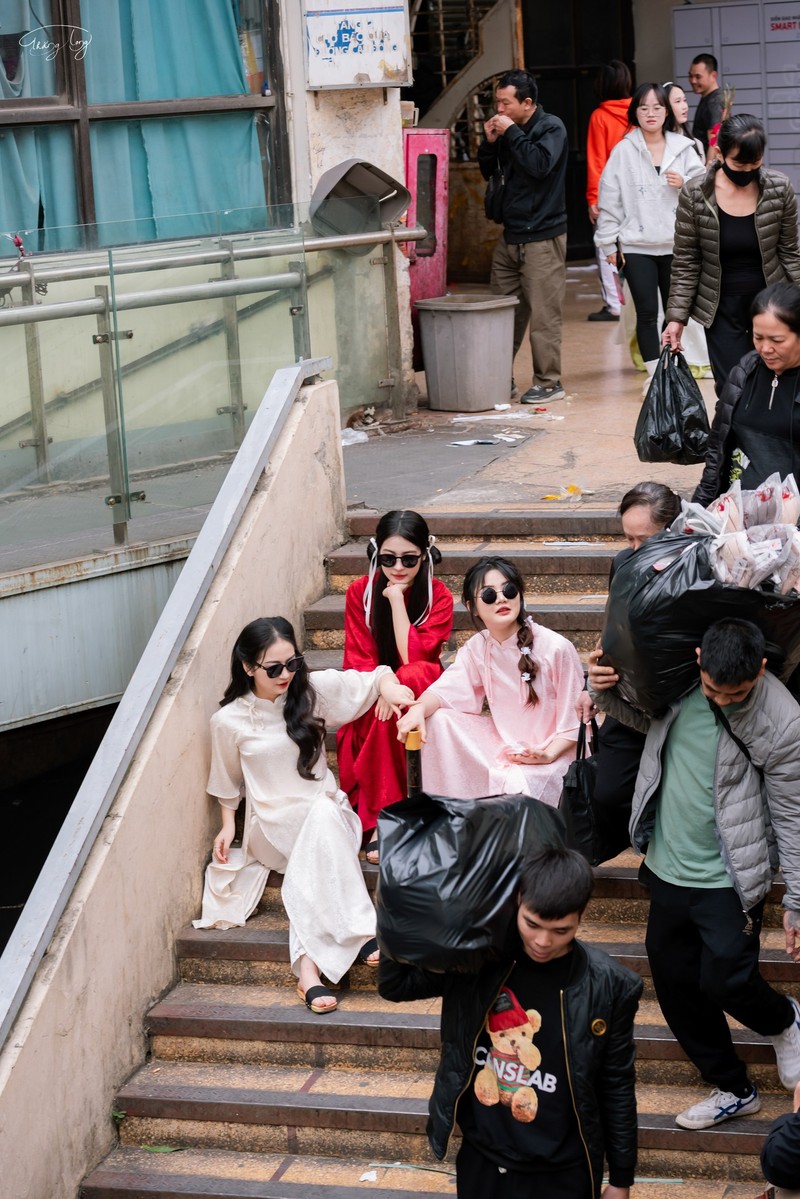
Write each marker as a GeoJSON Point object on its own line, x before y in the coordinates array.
{"type": "Point", "coordinates": [528, 147]}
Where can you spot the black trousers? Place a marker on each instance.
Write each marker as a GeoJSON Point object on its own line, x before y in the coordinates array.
{"type": "Point", "coordinates": [647, 275]}
{"type": "Point", "coordinates": [618, 756]}
{"type": "Point", "coordinates": [479, 1178]}
{"type": "Point", "coordinates": [705, 964]}
{"type": "Point", "coordinates": [730, 336]}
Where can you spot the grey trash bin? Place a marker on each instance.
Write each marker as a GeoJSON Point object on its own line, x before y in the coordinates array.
{"type": "Point", "coordinates": [467, 350]}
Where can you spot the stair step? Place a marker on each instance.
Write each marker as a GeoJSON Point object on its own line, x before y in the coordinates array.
{"type": "Point", "coordinates": [340, 1112]}
{"type": "Point", "coordinates": [134, 1173]}
{"type": "Point", "coordinates": [530, 522]}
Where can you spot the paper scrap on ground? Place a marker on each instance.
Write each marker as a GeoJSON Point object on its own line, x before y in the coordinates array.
{"type": "Point", "coordinates": [475, 441]}
{"type": "Point", "coordinates": [482, 416]}
{"type": "Point", "coordinates": [571, 492]}
{"type": "Point", "coordinates": [369, 1176]}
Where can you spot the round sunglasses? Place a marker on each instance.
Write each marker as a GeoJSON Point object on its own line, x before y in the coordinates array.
{"type": "Point", "coordinates": [273, 670]}
{"type": "Point", "coordinates": [409, 561]}
{"type": "Point", "coordinates": [489, 594]}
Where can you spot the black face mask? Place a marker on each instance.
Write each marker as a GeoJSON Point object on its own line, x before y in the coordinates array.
{"type": "Point", "coordinates": [741, 178]}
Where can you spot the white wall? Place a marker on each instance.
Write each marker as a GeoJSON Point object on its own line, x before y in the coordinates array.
{"type": "Point", "coordinates": [79, 1033]}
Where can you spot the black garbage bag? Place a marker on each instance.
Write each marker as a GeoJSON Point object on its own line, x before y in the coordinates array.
{"type": "Point", "coordinates": [449, 875]}
{"type": "Point", "coordinates": [662, 600]}
{"type": "Point", "coordinates": [673, 423]}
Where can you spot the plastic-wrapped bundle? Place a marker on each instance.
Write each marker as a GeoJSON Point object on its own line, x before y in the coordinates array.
{"type": "Point", "coordinates": [662, 600]}
{"type": "Point", "coordinates": [449, 876]}
{"type": "Point", "coordinates": [763, 505]}
{"type": "Point", "coordinates": [750, 557]}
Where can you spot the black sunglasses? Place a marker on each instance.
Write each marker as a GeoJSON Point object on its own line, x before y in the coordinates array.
{"type": "Point", "coordinates": [489, 594]}
{"type": "Point", "coordinates": [408, 560]}
{"type": "Point", "coordinates": [275, 669]}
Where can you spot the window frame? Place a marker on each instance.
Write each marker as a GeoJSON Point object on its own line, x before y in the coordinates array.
{"type": "Point", "coordinates": [71, 107]}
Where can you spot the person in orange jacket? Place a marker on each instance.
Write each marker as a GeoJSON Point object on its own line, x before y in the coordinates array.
{"type": "Point", "coordinates": [607, 125]}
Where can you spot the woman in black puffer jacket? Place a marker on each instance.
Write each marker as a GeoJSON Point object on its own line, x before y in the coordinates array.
{"type": "Point", "coordinates": [735, 232]}
{"type": "Point", "coordinates": [756, 428]}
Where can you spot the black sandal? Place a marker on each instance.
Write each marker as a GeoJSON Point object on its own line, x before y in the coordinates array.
{"type": "Point", "coordinates": [367, 949]}
{"type": "Point", "coordinates": [311, 997]}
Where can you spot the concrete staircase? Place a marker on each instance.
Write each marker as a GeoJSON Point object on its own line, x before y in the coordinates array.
{"type": "Point", "coordinates": [263, 1098]}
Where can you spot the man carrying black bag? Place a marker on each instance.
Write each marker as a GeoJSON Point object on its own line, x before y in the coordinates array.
{"type": "Point", "coordinates": [541, 1099]}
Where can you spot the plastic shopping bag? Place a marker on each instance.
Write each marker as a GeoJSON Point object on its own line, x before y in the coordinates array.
{"type": "Point", "coordinates": [662, 600]}
{"type": "Point", "coordinates": [449, 876]}
{"type": "Point", "coordinates": [673, 424]}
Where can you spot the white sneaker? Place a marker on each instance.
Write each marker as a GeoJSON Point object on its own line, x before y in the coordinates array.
{"type": "Point", "coordinates": [787, 1050]}
{"type": "Point", "coordinates": [720, 1106]}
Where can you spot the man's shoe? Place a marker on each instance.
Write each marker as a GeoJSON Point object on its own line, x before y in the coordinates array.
{"type": "Point", "coordinates": [720, 1106]}
{"type": "Point", "coordinates": [605, 314]}
{"type": "Point", "coordinates": [514, 390]}
{"type": "Point", "coordinates": [543, 395]}
{"type": "Point", "coordinates": [787, 1050]}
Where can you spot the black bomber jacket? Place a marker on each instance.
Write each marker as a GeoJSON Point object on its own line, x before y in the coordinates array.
{"type": "Point", "coordinates": [598, 1007]}
{"type": "Point", "coordinates": [534, 163]}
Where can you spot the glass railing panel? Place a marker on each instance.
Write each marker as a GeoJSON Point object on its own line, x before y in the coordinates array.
{"type": "Point", "coordinates": [347, 305]}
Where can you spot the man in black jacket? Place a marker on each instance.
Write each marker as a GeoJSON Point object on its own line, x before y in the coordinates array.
{"type": "Point", "coordinates": [537, 1051]}
{"type": "Point", "coordinates": [529, 148]}
{"type": "Point", "coordinates": [780, 1156]}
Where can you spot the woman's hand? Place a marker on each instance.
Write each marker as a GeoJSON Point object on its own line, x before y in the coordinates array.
{"type": "Point", "coordinates": [383, 710]}
{"type": "Point", "coordinates": [414, 718]}
{"type": "Point", "coordinates": [396, 592]}
{"type": "Point", "coordinates": [222, 841]}
{"type": "Point", "coordinates": [601, 678]}
{"type": "Point", "coordinates": [541, 755]}
{"type": "Point", "coordinates": [672, 336]}
{"type": "Point", "coordinates": [585, 708]}
{"type": "Point", "coordinates": [673, 178]}
{"type": "Point", "coordinates": [396, 695]}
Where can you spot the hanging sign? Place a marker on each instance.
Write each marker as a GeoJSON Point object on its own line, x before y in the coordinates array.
{"type": "Point", "coordinates": [367, 44]}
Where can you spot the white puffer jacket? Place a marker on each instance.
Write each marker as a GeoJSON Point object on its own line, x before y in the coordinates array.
{"type": "Point", "coordinates": [637, 204]}
{"type": "Point", "coordinates": [757, 818]}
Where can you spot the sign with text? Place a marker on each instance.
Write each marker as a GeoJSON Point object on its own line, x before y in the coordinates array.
{"type": "Point", "coordinates": [367, 44]}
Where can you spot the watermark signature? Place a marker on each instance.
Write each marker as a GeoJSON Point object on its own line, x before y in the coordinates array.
{"type": "Point", "coordinates": [50, 40]}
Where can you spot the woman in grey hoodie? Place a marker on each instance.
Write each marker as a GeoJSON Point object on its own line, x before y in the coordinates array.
{"type": "Point", "coordinates": [637, 201]}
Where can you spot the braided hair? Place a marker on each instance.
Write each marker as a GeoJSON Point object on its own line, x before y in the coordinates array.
{"type": "Point", "coordinates": [473, 582]}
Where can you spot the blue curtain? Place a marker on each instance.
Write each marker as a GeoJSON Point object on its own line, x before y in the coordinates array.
{"type": "Point", "coordinates": [170, 177]}
{"type": "Point", "coordinates": [37, 169]}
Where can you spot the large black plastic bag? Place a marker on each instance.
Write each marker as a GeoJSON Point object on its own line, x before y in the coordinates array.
{"type": "Point", "coordinates": [449, 876]}
{"type": "Point", "coordinates": [662, 600]}
{"type": "Point", "coordinates": [673, 423]}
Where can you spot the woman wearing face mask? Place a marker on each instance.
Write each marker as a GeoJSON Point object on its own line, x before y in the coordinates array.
{"type": "Point", "coordinates": [530, 679]}
{"type": "Point", "coordinates": [756, 429]}
{"type": "Point", "coordinates": [735, 232]}
{"type": "Point", "coordinates": [398, 615]}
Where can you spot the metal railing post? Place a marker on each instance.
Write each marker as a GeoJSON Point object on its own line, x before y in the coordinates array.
{"type": "Point", "coordinates": [119, 500]}
{"type": "Point", "coordinates": [38, 439]}
{"type": "Point", "coordinates": [298, 309]}
{"type": "Point", "coordinates": [230, 319]}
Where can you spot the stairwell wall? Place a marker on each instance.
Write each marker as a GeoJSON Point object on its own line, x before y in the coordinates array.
{"type": "Point", "coordinates": [81, 1032]}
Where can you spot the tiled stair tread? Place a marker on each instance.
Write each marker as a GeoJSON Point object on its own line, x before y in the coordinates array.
{"type": "Point", "coordinates": [574, 607]}
{"type": "Point", "coordinates": [245, 1094]}
{"type": "Point", "coordinates": [248, 1012]}
{"type": "Point", "coordinates": [217, 1172]}
{"type": "Point", "coordinates": [527, 522]}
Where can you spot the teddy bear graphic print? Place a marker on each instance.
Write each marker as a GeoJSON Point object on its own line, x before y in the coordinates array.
{"type": "Point", "coordinates": [518, 1110]}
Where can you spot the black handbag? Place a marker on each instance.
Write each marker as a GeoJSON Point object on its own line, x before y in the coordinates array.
{"type": "Point", "coordinates": [673, 423]}
{"type": "Point", "coordinates": [577, 803]}
{"type": "Point", "coordinates": [493, 199]}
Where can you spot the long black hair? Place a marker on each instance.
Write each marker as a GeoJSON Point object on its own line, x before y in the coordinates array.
{"type": "Point", "coordinates": [305, 729]}
{"type": "Point", "coordinates": [473, 582]}
{"type": "Point", "coordinates": [411, 527]}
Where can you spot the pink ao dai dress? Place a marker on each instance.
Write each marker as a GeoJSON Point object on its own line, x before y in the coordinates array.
{"type": "Point", "coordinates": [304, 828]}
{"type": "Point", "coordinates": [465, 752]}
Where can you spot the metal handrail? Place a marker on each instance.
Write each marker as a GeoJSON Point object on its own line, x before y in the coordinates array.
{"type": "Point", "coordinates": [51, 892]}
{"type": "Point", "coordinates": [21, 269]}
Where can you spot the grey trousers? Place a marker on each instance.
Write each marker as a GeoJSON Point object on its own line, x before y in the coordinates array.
{"type": "Point", "coordinates": [536, 274]}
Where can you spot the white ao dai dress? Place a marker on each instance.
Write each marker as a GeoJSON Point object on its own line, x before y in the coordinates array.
{"type": "Point", "coordinates": [465, 755]}
{"type": "Point", "coordinates": [306, 829]}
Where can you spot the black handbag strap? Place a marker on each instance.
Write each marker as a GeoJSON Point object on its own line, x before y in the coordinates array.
{"type": "Point", "coordinates": [723, 721]}
{"type": "Point", "coordinates": [586, 745]}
